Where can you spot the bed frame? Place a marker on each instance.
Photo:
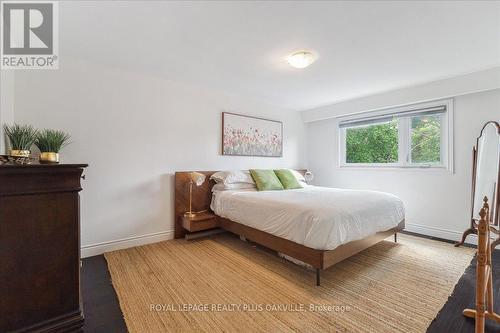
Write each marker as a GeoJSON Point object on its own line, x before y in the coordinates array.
{"type": "Point", "coordinates": [319, 259]}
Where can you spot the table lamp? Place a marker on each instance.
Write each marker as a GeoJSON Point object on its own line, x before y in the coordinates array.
{"type": "Point", "coordinates": [198, 179]}
{"type": "Point", "coordinates": [308, 176]}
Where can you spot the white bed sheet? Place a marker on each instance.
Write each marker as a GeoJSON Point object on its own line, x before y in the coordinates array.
{"type": "Point", "coordinates": [317, 217]}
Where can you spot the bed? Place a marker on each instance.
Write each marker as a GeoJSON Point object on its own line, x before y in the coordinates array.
{"type": "Point", "coordinates": [316, 225]}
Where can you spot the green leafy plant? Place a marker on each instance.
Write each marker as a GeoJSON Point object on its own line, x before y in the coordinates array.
{"type": "Point", "coordinates": [21, 137]}
{"type": "Point", "coordinates": [51, 141]}
{"type": "Point", "coordinates": [372, 144]}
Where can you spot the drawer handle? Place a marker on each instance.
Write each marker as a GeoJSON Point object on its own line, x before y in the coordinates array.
{"type": "Point", "coordinates": [83, 177]}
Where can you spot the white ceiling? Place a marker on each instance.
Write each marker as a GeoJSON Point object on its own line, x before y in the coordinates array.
{"type": "Point", "coordinates": [364, 47]}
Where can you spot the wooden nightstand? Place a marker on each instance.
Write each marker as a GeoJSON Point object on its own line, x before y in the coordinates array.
{"type": "Point", "coordinates": [200, 222]}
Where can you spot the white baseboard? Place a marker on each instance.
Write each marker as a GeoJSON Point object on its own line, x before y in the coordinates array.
{"type": "Point", "coordinates": [440, 233]}
{"type": "Point", "coordinates": [124, 243]}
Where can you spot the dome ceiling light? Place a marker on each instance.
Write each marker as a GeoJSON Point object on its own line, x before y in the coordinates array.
{"type": "Point", "coordinates": [301, 59]}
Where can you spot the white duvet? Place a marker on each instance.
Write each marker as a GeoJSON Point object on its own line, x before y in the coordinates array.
{"type": "Point", "coordinates": [317, 217]}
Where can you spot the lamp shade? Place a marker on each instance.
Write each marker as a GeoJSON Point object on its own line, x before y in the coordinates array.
{"type": "Point", "coordinates": [197, 178]}
{"type": "Point", "coordinates": [308, 176]}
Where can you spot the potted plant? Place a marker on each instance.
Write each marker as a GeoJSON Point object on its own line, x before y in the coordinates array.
{"type": "Point", "coordinates": [21, 138]}
{"type": "Point", "coordinates": [50, 142]}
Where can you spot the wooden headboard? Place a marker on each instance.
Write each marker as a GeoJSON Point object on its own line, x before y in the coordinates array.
{"type": "Point", "coordinates": [202, 196]}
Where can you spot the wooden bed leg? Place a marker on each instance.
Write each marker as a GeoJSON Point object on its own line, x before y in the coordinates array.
{"type": "Point", "coordinates": [395, 237]}
{"type": "Point", "coordinates": [317, 277]}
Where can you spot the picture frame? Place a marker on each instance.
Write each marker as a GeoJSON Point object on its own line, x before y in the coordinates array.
{"type": "Point", "coordinates": [244, 135]}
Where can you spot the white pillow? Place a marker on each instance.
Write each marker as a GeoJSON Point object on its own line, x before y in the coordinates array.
{"type": "Point", "coordinates": [235, 186]}
{"type": "Point", "coordinates": [300, 178]}
{"type": "Point", "coordinates": [298, 175]}
{"type": "Point", "coordinates": [231, 177]}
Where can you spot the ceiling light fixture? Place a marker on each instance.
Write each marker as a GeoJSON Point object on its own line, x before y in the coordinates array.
{"type": "Point", "coordinates": [301, 59]}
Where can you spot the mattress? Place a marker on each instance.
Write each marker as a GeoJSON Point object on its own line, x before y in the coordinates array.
{"type": "Point", "coordinates": [317, 217]}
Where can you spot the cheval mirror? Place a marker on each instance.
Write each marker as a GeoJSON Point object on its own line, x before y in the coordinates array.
{"type": "Point", "coordinates": [485, 181]}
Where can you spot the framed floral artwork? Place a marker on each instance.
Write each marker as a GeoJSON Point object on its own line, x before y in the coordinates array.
{"type": "Point", "coordinates": [251, 136]}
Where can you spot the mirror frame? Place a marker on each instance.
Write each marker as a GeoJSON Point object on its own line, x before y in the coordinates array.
{"type": "Point", "coordinates": [494, 206]}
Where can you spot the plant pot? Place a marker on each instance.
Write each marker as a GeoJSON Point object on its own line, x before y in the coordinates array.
{"type": "Point", "coordinates": [19, 153]}
{"type": "Point", "coordinates": [49, 157]}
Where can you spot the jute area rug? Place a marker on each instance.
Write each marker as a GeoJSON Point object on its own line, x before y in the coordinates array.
{"type": "Point", "coordinates": [224, 284]}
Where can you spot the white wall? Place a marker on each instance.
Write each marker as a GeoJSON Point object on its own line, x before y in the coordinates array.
{"type": "Point", "coordinates": [6, 103]}
{"type": "Point", "coordinates": [135, 131]}
{"type": "Point", "coordinates": [487, 79]}
{"type": "Point", "coordinates": [437, 202]}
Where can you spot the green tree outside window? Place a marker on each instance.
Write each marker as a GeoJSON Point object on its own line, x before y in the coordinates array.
{"type": "Point", "coordinates": [372, 144]}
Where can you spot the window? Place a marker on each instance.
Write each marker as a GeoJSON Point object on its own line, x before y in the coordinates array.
{"type": "Point", "coordinates": [412, 136]}
{"type": "Point", "coordinates": [374, 143]}
{"type": "Point", "coordinates": [425, 139]}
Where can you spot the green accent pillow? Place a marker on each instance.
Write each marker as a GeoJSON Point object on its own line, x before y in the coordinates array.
{"type": "Point", "coordinates": [287, 179]}
{"type": "Point", "coordinates": [266, 180]}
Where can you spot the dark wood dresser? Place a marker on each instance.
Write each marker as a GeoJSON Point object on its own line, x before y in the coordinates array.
{"type": "Point", "coordinates": [40, 248]}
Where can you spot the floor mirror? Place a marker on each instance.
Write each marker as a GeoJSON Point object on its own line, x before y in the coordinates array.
{"type": "Point", "coordinates": [485, 181]}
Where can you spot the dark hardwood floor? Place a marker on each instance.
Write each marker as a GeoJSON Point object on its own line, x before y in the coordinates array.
{"type": "Point", "coordinates": [450, 317]}
{"type": "Point", "coordinates": [100, 303]}
{"type": "Point", "coordinates": [103, 314]}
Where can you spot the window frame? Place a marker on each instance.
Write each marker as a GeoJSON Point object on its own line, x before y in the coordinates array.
{"type": "Point", "coordinates": [404, 138]}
